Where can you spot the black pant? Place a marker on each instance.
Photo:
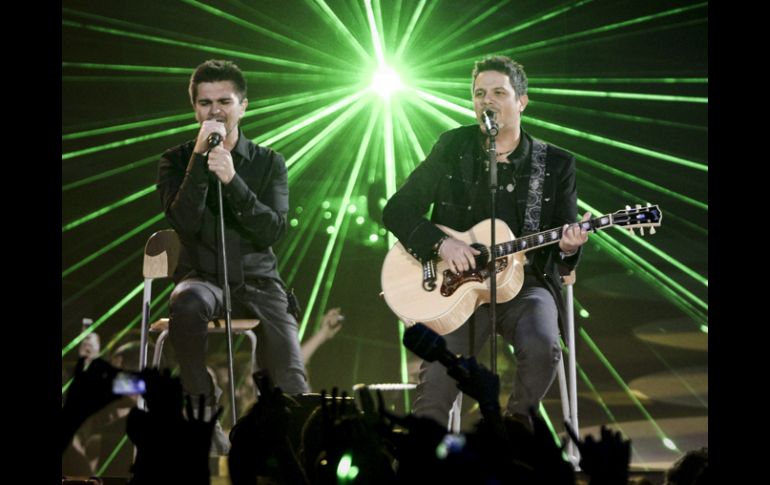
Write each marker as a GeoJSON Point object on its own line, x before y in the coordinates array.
{"type": "Point", "coordinates": [529, 322]}
{"type": "Point", "coordinates": [194, 302]}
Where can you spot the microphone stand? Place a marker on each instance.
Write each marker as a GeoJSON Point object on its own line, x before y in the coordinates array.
{"type": "Point", "coordinates": [228, 306]}
{"type": "Point", "coordinates": [492, 154]}
{"type": "Point", "coordinates": [226, 294]}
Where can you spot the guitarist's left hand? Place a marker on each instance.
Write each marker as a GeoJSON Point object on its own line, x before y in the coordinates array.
{"type": "Point", "coordinates": [573, 236]}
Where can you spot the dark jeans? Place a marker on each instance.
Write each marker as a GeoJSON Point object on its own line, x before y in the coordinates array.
{"type": "Point", "coordinates": [530, 323]}
{"type": "Point", "coordinates": [194, 302]}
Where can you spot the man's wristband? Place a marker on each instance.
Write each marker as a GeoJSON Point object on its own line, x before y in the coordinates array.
{"type": "Point", "coordinates": [438, 244]}
{"type": "Point", "coordinates": [565, 255]}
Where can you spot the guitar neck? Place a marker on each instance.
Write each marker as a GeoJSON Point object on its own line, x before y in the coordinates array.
{"type": "Point", "coordinates": [551, 236]}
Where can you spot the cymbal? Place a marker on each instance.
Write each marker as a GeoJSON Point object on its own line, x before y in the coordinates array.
{"type": "Point", "coordinates": [648, 449]}
{"type": "Point", "coordinates": [682, 333]}
{"type": "Point", "coordinates": [687, 386]}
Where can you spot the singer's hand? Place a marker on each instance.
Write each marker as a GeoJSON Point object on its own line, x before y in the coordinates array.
{"type": "Point", "coordinates": [208, 127]}
{"type": "Point", "coordinates": [573, 236]}
{"type": "Point", "coordinates": [458, 255]}
{"type": "Point", "coordinates": [221, 163]}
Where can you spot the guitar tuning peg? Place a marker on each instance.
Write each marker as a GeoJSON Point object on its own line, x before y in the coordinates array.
{"type": "Point", "coordinates": [649, 205]}
{"type": "Point", "coordinates": [652, 230]}
{"type": "Point", "coordinates": [628, 207]}
{"type": "Point", "coordinates": [630, 231]}
{"type": "Point", "coordinates": [641, 231]}
{"type": "Point", "coordinates": [638, 206]}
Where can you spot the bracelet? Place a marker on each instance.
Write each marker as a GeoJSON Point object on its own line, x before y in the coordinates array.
{"type": "Point", "coordinates": [565, 255]}
{"type": "Point", "coordinates": [438, 244]}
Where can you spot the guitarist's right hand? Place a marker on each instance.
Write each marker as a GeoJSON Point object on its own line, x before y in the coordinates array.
{"type": "Point", "coordinates": [458, 255]}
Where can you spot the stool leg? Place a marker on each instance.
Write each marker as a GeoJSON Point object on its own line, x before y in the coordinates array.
{"type": "Point", "coordinates": [253, 337]}
{"type": "Point", "coordinates": [572, 450]}
{"type": "Point", "coordinates": [563, 394]}
{"type": "Point", "coordinates": [455, 414]}
{"type": "Point", "coordinates": [159, 348]}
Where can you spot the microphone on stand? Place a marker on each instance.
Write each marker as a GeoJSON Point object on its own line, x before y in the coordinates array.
{"type": "Point", "coordinates": [488, 118]}
{"type": "Point", "coordinates": [430, 346]}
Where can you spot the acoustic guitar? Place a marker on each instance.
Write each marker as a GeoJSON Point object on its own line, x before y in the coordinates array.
{"type": "Point", "coordinates": [432, 294]}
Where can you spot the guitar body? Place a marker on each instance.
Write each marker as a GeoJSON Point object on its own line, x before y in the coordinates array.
{"type": "Point", "coordinates": [402, 282]}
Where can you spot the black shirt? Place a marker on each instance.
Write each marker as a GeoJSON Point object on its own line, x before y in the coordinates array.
{"type": "Point", "coordinates": [256, 202]}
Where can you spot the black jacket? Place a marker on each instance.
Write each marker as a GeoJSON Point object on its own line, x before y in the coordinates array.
{"type": "Point", "coordinates": [256, 202]}
{"type": "Point", "coordinates": [453, 178]}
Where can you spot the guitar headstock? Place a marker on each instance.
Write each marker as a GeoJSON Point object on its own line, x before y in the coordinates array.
{"type": "Point", "coordinates": [638, 218]}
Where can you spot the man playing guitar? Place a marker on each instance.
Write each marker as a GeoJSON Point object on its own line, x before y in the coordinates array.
{"type": "Point", "coordinates": [536, 191]}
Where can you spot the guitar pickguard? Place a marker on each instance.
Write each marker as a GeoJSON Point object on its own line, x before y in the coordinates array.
{"type": "Point", "coordinates": [452, 281]}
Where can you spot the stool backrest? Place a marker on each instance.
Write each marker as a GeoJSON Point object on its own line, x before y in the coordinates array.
{"type": "Point", "coordinates": [569, 279]}
{"type": "Point", "coordinates": [161, 254]}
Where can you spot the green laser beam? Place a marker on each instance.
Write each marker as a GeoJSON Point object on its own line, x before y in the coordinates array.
{"type": "Point", "coordinates": [112, 456]}
{"type": "Point", "coordinates": [92, 328]}
{"type": "Point", "coordinates": [421, 20]}
{"type": "Point", "coordinates": [199, 44]}
{"type": "Point", "coordinates": [267, 32]}
{"type": "Point", "coordinates": [267, 105]}
{"type": "Point", "coordinates": [596, 113]}
{"type": "Point", "coordinates": [644, 263]}
{"type": "Point", "coordinates": [461, 26]}
{"type": "Point", "coordinates": [618, 80]}
{"type": "Point", "coordinates": [600, 355]}
{"type": "Point", "coordinates": [129, 141]}
{"type": "Point", "coordinates": [640, 181]}
{"type": "Point", "coordinates": [109, 173]}
{"type": "Point", "coordinates": [331, 19]}
{"type": "Point", "coordinates": [619, 144]}
{"type": "Point", "coordinates": [626, 195]}
{"type": "Point", "coordinates": [443, 103]}
{"type": "Point", "coordinates": [519, 26]}
{"type": "Point", "coordinates": [377, 43]}
{"type": "Point", "coordinates": [275, 135]}
{"type": "Point", "coordinates": [133, 257]}
{"type": "Point", "coordinates": [407, 36]}
{"type": "Point", "coordinates": [125, 126]}
{"type": "Point", "coordinates": [340, 214]}
{"type": "Point", "coordinates": [111, 245]}
{"type": "Point", "coordinates": [107, 209]}
{"type": "Point", "coordinates": [195, 125]}
{"type": "Point", "coordinates": [620, 95]}
{"type": "Point", "coordinates": [605, 28]}
{"type": "Point", "coordinates": [430, 110]}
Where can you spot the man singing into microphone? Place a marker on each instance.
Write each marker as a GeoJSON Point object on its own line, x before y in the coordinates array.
{"type": "Point", "coordinates": [535, 191]}
{"type": "Point", "coordinates": [256, 200]}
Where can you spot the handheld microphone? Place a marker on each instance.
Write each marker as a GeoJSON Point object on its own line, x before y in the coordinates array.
{"type": "Point", "coordinates": [430, 346]}
{"type": "Point", "coordinates": [214, 139]}
{"type": "Point", "coordinates": [488, 118]}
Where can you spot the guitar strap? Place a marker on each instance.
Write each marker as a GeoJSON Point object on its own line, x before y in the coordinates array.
{"type": "Point", "coordinates": [535, 194]}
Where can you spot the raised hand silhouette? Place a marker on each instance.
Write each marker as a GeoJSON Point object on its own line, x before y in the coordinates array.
{"type": "Point", "coordinates": [90, 391]}
{"type": "Point", "coordinates": [171, 447]}
{"type": "Point", "coordinates": [260, 445]}
{"type": "Point", "coordinates": [606, 460]}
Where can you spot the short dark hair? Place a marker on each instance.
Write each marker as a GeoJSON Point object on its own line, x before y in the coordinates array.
{"type": "Point", "coordinates": [215, 70]}
{"type": "Point", "coordinates": [505, 65]}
